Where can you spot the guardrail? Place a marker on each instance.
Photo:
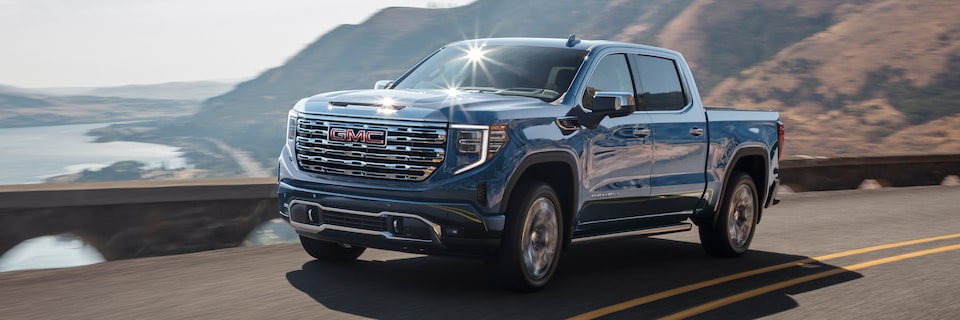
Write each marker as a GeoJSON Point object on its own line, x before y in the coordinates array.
{"type": "Point", "coordinates": [151, 218]}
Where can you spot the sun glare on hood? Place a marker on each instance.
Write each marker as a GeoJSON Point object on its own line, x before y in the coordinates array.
{"type": "Point", "coordinates": [452, 91]}
{"type": "Point", "coordinates": [388, 106]}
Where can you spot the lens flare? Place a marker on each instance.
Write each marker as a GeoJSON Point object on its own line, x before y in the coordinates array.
{"type": "Point", "coordinates": [387, 102]}
{"type": "Point", "coordinates": [452, 91]}
{"type": "Point", "coordinates": [475, 54]}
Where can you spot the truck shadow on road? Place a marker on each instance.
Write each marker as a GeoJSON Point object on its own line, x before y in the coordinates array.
{"type": "Point", "coordinates": [591, 276]}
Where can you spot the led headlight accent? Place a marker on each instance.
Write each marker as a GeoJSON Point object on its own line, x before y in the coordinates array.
{"type": "Point", "coordinates": [497, 139]}
{"type": "Point", "coordinates": [484, 141]}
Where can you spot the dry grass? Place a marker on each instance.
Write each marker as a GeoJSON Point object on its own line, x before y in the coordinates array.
{"type": "Point", "coordinates": [918, 37]}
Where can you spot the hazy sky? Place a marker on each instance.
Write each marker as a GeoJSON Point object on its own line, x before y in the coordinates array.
{"type": "Point", "coordinates": [55, 43]}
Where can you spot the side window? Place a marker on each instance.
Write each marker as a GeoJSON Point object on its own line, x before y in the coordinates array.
{"type": "Point", "coordinates": [661, 84]}
{"type": "Point", "coordinates": [611, 75]}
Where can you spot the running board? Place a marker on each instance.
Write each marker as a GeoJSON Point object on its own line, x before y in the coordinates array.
{"type": "Point", "coordinates": [686, 226]}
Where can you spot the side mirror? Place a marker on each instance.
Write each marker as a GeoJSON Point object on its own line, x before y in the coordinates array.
{"type": "Point", "coordinates": [382, 84]}
{"type": "Point", "coordinates": [613, 104]}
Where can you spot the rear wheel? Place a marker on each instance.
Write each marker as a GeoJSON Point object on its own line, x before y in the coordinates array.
{"type": "Point", "coordinates": [330, 251]}
{"type": "Point", "coordinates": [730, 235]}
{"type": "Point", "coordinates": [531, 240]}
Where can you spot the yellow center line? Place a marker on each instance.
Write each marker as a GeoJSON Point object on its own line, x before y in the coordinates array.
{"type": "Point", "coordinates": [700, 285]}
{"type": "Point", "coordinates": [716, 304]}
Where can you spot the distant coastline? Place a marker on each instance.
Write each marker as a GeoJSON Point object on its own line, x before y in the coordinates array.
{"type": "Point", "coordinates": [35, 154]}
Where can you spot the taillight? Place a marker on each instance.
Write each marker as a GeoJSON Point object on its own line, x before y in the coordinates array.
{"type": "Point", "coordinates": [780, 133]}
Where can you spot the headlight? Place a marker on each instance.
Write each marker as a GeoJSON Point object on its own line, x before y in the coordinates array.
{"type": "Point", "coordinates": [477, 144]}
{"type": "Point", "coordinates": [292, 125]}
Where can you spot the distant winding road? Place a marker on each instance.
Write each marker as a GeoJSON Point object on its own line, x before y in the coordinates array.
{"type": "Point", "coordinates": [251, 168]}
{"type": "Point", "coordinates": [876, 254]}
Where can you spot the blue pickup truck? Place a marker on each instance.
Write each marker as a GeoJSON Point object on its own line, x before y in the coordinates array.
{"type": "Point", "coordinates": [513, 149]}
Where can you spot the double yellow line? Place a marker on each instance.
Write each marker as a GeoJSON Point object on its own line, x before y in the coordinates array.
{"type": "Point", "coordinates": [773, 287]}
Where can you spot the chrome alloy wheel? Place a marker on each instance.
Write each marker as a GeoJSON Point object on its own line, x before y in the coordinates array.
{"type": "Point", "coordinates": [740, 216]}
{"type": "Point", "coordinates": [540, 238]}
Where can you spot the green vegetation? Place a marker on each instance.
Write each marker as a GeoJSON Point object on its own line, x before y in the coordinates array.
{"type": "Point", "coordinates": [751, 37]}
{"type": "Point", "coordinates": [119, 171]}
{"type": "Point", "coordinates": [938, 99]}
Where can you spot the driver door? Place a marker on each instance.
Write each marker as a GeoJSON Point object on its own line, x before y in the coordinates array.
{"type": "Point", "coordinates": [618, 155]}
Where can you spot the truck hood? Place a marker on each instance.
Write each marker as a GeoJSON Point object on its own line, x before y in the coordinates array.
{"type": "Point", "coordinates": [423, 105]}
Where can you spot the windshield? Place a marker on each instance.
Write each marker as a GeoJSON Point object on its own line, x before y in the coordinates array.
{"type": "Point", "coordinates": [538, 72]}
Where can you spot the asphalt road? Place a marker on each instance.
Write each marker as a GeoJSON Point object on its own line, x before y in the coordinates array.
{"type": "Point", "coordinates": [625, 279]}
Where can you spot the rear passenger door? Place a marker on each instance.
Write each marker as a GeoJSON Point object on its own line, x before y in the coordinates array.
{"type": "Point", "coordinates": [679, 135]}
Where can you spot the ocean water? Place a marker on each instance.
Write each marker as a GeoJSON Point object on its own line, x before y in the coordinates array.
{"type": "Point", "coordinates": [60, 251]}
{"type": "Point", "coordinates": [33, 154]}
{"type": "Point", "coordinates": [69, 250]}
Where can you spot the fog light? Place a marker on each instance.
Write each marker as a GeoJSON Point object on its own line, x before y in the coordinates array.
{"type": "Point", "coordinates": [298, 213]}
{"type": "Point", "coordinates": [302, 213]}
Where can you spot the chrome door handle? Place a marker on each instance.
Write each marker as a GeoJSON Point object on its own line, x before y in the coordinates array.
{"type": "Point", "coordinates": [568, 123]}
{"type": "Point", "coordinates": [642, 133]}
{"type": "Point", "coordinates": [696, 131]}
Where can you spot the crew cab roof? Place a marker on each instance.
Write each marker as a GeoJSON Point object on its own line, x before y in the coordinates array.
{"type": "Point", "coordinates": [587, 45]}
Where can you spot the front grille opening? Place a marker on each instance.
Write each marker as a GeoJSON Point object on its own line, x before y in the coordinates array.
{"type": "Point", "coordinates": [355, 221]}
{"type": "Point", "coordinates": [392, 150]}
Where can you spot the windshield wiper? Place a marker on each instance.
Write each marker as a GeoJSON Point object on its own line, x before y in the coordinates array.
{"type": "Point", "coordinates": [479, 89]}
{"type": "Point", "coordinates": [539, 93]}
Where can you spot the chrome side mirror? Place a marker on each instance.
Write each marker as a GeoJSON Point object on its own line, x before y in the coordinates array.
{"type": "Point", "coordinates": [614, 104]}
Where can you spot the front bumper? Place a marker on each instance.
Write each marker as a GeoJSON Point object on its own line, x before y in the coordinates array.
{"type": "Point", "coordinates": [390, 224]}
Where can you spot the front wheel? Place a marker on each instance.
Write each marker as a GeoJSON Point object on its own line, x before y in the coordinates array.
{"type": "Point", "coordinates": [531, 240]}
{"type": "Point", "coordinates": [730, 235]}
{"type": "Point", "coordinates": [330, 251]}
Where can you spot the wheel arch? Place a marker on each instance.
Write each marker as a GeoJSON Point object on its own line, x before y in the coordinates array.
{"type": "Point", "coordinates": [754, 161]}
{"type": "Point", "coordinates": [559, 170]}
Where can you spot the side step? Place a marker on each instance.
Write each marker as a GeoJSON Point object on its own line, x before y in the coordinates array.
{"type": "Point", "coordinates": [686, 226]}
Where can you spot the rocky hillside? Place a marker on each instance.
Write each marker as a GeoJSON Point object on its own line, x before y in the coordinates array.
{"type": "Point", "coordinates": [860, 76]}
{"type": "Point", "coordinates": [883, 78]}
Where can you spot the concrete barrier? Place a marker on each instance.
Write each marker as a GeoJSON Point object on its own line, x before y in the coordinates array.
{"type": "Point", "coordinates": [151, 218]}
{"type": "Point", "coordinates": [838, 173]}
{"type": "Point", "coordinates": [139, 218]}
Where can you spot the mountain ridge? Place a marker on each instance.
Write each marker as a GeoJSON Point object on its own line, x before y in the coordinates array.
{"type": "Point", "coordinates": [752, 54]}
{"type": "Point", "coordinates": [178, 90]}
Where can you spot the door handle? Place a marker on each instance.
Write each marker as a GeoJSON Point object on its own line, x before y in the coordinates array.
{"type": "Point", "coordinates": [696, 131]}
{"type": "Point", "coordinates": [642, 133]}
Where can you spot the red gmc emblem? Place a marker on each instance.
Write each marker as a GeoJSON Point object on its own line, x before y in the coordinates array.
{"type": "Point", "coordinates": [378, 137]}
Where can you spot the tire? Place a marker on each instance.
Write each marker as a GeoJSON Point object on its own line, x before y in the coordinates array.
{"type": "Point", "coordinates": [330, 251]}
{"type": "Point", "coordinates": [530, 248]}
{"type": "Point", "coordinates": [730, 235]}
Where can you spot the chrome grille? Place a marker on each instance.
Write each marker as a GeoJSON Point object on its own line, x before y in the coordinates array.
{"type": "Point", "coordinates": [411, 152]}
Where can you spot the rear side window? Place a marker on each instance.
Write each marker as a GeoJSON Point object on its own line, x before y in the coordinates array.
{"type": "Point", "coordinates": [660, 83]}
